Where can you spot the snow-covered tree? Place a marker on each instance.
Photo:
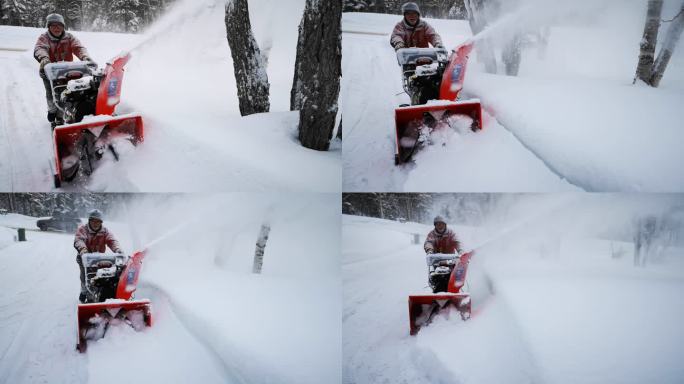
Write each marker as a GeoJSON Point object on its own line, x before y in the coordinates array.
{"type": "Point", "coordinates": [316, 84]}
{"type": "Point", "coordinates": [123, 15]}
{"type": "Point", "coordinates": [444, 9]}
{"type": "Point", "coordinates": [479, 16]}
{"type": "Point", "coordinates": [650, 69]}
{"type": "Point", "coordinates": [98, 15]}
{"type": "Point", "coordinates": [248, 63]}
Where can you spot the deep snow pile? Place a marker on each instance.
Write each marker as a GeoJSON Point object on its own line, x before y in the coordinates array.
{"type": "Point", "coordinates": [571, 119]}
{"type": "Point", "coordinates": [555, 299]}
{"type": "Point", "coordinates": [180, 78]}
{"type": "Point", "coordinates": [214, 321]}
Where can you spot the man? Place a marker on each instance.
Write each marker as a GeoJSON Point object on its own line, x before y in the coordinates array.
{"type": "Point", "coordinates": [441, 239]}
{"type": "Point", "coordinates": [53, 46]}
{"type": "Point", "coordinates": [90, 238]}
{"type": "Point", "coordinates": [414, 32]}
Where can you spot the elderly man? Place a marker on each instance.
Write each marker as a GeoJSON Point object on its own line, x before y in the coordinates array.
{"type": "Point", "coordinates": [53, 46]}
{"type": "Point", "coordinates": [414, 32]}
{"type": "Point", "coordinates": [441, 239]}
{"type": "Point", "coordinates": [90, 238]}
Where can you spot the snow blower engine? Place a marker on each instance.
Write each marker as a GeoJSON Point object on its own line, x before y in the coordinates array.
{"type": "Point", "coordinates": [446, 275]}
{"type": "Point", "coordinates": [80, 89]}
{"type": "Point", "coordinates": [111, 280]}
{"type": "Point", "coordinates": [422, 70]}
{"type": "Point", "coordinates": [433, 79]}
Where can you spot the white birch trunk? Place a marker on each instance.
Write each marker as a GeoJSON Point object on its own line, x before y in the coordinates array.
{"type": "Point", "coordinates": [648, 41]}
{"type": "Point", "coordinates": [674, 32]}
{"type": "Point", "coordinates": [260, 246]}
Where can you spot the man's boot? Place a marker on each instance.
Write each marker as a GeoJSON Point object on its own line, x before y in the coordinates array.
{"type": "Point", "coordinates": [82, 295]}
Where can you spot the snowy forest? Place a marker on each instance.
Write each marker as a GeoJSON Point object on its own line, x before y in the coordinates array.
{"type": "Point", "coordinates": [441, 9]}
{"type": "Point", "coordinates": [73, 204]}
{"type": "Point", "coordinates": [466, 208]}
{"type": "Point", "coordinates": [129, 16]}
{"type": "Point", "coordinates": [649, 221]}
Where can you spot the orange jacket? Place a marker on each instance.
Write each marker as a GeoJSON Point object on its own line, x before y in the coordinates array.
{"type": "Point", "coordinates": [442, 242]}
{"type": "Point", "coordinates": [91, 241]}
{"type": "Point", "coordinates": [59, 49]}
{"type": "Point", "coordinates": [406, 36]}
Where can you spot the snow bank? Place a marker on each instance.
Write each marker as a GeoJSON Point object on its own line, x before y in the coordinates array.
{"type": "Point", "coordinates": [14, 220]}
{"type": "Point", "coordinates": [279, 326]}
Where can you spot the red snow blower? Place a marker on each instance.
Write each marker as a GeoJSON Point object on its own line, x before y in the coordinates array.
{"type": "Point", "coordinates": [432, 76]}
{"type": "Point", "coordinates": [80, 89]}
{"type": "Point", "coordinates": [447, 273]}
{"type": "Point", "coordinates": [111, 280]}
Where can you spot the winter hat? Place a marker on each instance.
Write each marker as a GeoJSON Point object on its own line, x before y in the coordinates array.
{"type": "Point", "coordinates": [54, 18]}
{"type": "Point", "coordinates": [439, 219]}
{"type": "Point", "coordinates": [95, 214]}
{"type": "Point", "coordinates": [410, 7]}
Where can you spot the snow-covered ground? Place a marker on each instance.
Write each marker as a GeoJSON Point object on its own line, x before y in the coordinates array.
{"type": "Point", "coordinates": [180, 78]}
{"type": "Point", "coordinates": [555, 300]}
{"type": "Point", "coordinates": [214, 321]}
{"type": "Point", "coordinates": [571, 120]}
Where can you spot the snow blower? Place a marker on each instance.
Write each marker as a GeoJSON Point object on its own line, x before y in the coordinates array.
{"type": "Point", "coordinates": [80, 89]}
{"type": "Point", "coordinates": [431, 76]}
{"type": "Point", "coordinates": [447, 275]}
{"type": "Point", "coordinates": [111, 280]}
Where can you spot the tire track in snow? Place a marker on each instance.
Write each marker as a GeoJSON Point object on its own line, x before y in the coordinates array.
{"type": "Point", "coordinates": [371, 106]}
{"type": "Point", "coordinates": [26, 136]}
{"type": "Point", "coordinates": [39, 305]}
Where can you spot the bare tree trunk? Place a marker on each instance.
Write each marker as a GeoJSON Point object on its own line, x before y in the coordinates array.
{"type": "Point", "coordinates": [250, 69]}
{"type": "Point", "coordinates": [674, 32]}
{"type": "Point", "coordinates": [648, 41]}
{"type": "Point", "coordinates": [477, 19]}
{"type": "Point", "coordinates": [316, 84]}
{"type": "Point", "coordinates": [511, 55]}
{"type": "Point", "coordinates": [260, 246]}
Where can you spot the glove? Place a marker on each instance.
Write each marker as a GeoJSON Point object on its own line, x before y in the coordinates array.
{"type": "Point", "coordinates": [82, 251]}
{"type": "Point", "coordinates": [88, 60]}
{"type": "Point", "coordinates": [43, 62]}
{"type": "Point", "coordinates": [429, 251]}
{"type": "Point", "coordinates": [398, 46]}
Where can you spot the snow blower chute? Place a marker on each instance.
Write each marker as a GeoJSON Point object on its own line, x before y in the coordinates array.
{"type": "Point", "coordinates": [80, 89]}
{"type": "Point", "coordinates": [111, 280]}
{"type": "Point", "coordinates": [433, 80]}
{"type": "Point", "coordinates": [447, 275]}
